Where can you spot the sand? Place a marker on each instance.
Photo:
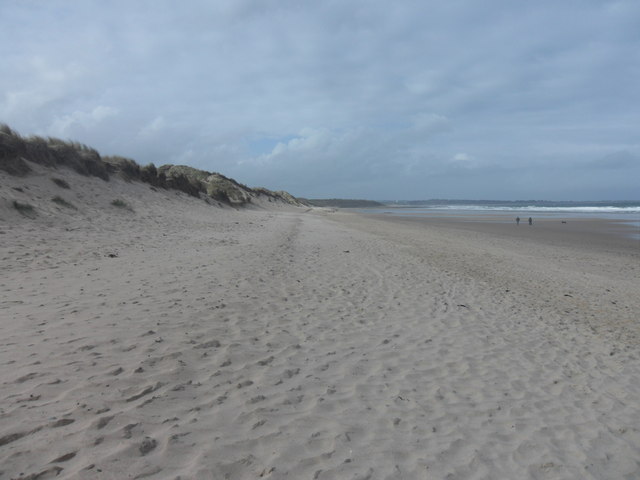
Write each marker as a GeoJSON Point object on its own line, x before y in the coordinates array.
{"type": "Point", "coordinates": [177, 339]}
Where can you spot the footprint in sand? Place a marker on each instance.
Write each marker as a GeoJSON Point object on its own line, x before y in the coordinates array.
{"type": "Point", "coordinates": [147, 445]}
{"type": "Point", "coordinates": [104, 421]}
{"type": "Point", "coordinates": [64, 458]}
{"type": "Point", "coordinates": [62, 422]}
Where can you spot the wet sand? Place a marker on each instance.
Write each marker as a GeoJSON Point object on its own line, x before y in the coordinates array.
{"type": "Point", "coordinates": [597, 233]}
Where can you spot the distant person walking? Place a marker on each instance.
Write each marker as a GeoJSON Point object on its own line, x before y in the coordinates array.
{"type": "Point", "coordinates": [530, 221]}
{"type": "Point", "coordinates": [517, 220]}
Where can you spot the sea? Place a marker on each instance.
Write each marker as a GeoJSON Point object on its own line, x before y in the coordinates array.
{"type": "Point", "coordinates": [626, 212]}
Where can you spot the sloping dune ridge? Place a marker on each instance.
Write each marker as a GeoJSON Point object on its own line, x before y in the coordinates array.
{"type": "Point", "coordinates": [148, 333]}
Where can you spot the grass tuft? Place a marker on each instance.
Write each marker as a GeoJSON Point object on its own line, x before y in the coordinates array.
{"type": "Point", "coordinates": [61, 183]}
{"type": "Point", "coordinates": [121, 204]}
{"type": "Point", "coordinates": [62, 202]}
{"type": "Point", "coordinates": [24, 208]}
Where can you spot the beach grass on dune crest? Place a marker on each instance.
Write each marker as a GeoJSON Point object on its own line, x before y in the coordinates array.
{"type": "Point", "coordinates": [50, 152]}
{"type": "Point", "coordinates": [18, 154]}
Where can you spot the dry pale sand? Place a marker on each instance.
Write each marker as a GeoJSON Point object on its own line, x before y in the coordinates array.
{"type": "Point", "coordinates": [181, 340]}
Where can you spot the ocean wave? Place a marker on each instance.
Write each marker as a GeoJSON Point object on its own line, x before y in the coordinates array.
{"type": "Point", "coordinates": [537, 208]}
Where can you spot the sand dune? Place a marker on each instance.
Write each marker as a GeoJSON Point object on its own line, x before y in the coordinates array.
{"type": "Point", "coordinates": [173, 339]}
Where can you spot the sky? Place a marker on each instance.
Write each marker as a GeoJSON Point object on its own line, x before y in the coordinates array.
{"type": "Point", "coordinates": [402, 100]}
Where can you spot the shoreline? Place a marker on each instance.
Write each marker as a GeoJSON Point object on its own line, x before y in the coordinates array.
{"type": "Point", "coordinates": [600, 232]}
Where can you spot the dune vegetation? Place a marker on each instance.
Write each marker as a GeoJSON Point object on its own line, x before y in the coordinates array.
{"type": "Point", "coordinates": [17, 151]}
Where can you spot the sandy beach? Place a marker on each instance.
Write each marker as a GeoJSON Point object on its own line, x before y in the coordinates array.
{"type": "Point", "coordinates": [172, 339]}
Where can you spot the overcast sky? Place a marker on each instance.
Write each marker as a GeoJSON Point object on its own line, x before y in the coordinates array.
{"type": "Point", "coordinates": [500, 99]}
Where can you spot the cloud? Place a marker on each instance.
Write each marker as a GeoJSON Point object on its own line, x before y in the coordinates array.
{"type": "Point", "coordinates": [430, 123]}
{"type": "Point", "coordinates": [463, 160]}
{"type": "Point", "coordinates": [153, 128]}
{"type": "Point", "coordinates": [367, 150]}
{"type": "Point", "coordinates": [38, 86]}
{"type": "Point", "coordinates": [622, 160]}
{"type": "Point", "coordinates": [65, 125]}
